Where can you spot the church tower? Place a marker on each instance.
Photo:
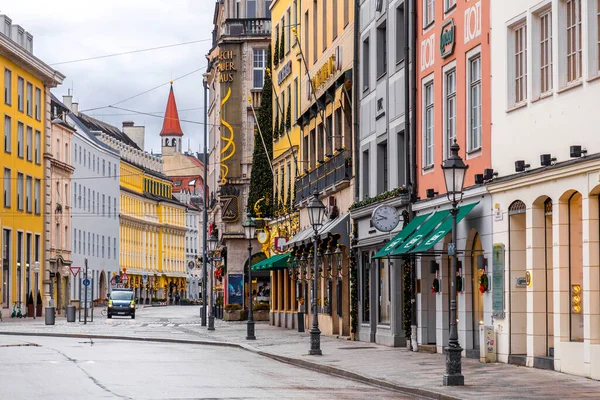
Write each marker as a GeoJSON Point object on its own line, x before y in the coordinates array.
{"type": "Point", "coordinates": [171, 133]}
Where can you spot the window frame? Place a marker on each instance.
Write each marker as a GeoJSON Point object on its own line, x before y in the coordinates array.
{"type": "Point", "coordinates": [449, 69]}
{"type": "Point", "coordinates": [474, 144]}
{"type": "Point", "coordinates": [38, 147]}
{"type": "Point", "coordinates": [428, 13]}
{"type": "Point", "coordinates": [20, 140]}
{"type": "Point", "coordinates": [518, 27]}
{"type": "Point", "coordinates": [577, 52]}
{"type": "Point", "coordinates": [260, 68]}
{"type": "Point", "coordinates": [7, 134]}
{"type": "Point", "coordinates": [428, 151]}
{"type": "Point", "coordinates": [7, 187]}
{"type": "Point", "coordinates": [29, 99]}
{"type": "Point", "coordinates": [8, 89]}
{"type": "Point", "coordinates": [38, 103]}
{"type": "Point", "coordinates": [20, 94]}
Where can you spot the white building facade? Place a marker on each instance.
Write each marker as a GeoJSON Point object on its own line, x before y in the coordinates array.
{"type": "Point", "coordinates": [545, 62]}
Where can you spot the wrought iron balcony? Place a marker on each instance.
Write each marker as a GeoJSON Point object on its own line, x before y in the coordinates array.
{"type": "Point", "coordinates": [332, 172]}
{"type": "Point", "coordinates": [246, 27]}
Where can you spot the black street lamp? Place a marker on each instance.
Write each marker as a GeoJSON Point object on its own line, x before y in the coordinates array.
{"type": "Point", "coordinates": [250, 230]}
{"type": "Point", "coordinates": [212, 243]}
{"type": "Point", "coordinates": [316, 212]}
{"type": "Point", "coordinates": [454, 175]}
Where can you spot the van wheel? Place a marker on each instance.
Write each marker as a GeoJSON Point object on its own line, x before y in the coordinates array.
{"type": "Point", "coordinates": [109, 316]}
{"type": "Point", "coordinates": [132, 316]}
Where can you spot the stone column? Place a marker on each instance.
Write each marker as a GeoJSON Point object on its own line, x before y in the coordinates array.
{"type": "Point", "coordinates": [562, 303]}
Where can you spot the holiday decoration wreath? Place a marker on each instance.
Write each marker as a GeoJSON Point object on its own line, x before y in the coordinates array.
{"type": "Point", "coordinates": [435, 288]}
{"type": "Point", "coordinates": [484, 283]}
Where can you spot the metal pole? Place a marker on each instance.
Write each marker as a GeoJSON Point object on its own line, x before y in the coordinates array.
{"type": "Point", "coordinates": [204, 212]}
{"type": "Point", "coordinates": [315, 333]}
{"type": "Point", "coordinates": [85, 295]}
{"type": "Point", "coordinates": [453, 375]}
{"type": "Point", "coordinates": [211, 316]}
{"type": "Point", "coordinates": [250, 323]}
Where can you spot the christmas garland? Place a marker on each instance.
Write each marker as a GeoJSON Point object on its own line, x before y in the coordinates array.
{"type": "Point", "coordinates": [383, 196]}
{"type": "Point", "coordinates": [435, 288]}
{"type": "Point", "coordinates": [353, 267]}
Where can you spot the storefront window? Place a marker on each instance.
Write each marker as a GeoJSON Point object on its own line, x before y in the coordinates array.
{"type": "Point", "coordinates": [383, 273]}
{"type": "Point", "coordinates": [366, 296]}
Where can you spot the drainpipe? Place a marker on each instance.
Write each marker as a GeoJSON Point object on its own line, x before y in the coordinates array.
{"type": "Point", "coordinates": [355, 88]}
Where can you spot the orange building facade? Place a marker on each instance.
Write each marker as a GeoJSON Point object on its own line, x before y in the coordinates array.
{"type": "Point", "coordinates": [453, 88]}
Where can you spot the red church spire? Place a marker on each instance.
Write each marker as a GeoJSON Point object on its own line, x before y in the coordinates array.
{"type": "Point", "coordinates": [171, 126]}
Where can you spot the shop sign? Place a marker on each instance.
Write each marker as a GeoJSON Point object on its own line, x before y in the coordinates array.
{"type": "Point", "coordinates": [447, 39]}
{"type": "Point", "coordinates": [498, 281]}
{"type": "Point", "coordinates": [226, 66]}
{"type": "Point", "coordinates": [324, 73]}
{"type": "Point", "coordinates": [286, 70]}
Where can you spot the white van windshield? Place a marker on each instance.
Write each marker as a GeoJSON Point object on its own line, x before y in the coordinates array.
{"type": "Point", "coordinates": [121, 296]}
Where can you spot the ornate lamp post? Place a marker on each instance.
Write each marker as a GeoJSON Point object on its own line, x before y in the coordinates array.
{"type": "Point", "coordinates": [250, 230]}
{"type": "Point", "coordinates": [212, 246]}
{"type": "Point", "coordinates": [316, 211]}
{"type": "Point", "coordinates": [454, 175]}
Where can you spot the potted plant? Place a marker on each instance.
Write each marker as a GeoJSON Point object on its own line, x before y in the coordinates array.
{"type": "Point", "coordinates": [39, 308]}
{"type": "Point", "coordinates": [261, 311]}
{"type": "Point", "coordinates": [58, 208]}
{"type": "Point", "coordinates": [233, 312]}
{"type": "Point", "coordinates": [30, 304]}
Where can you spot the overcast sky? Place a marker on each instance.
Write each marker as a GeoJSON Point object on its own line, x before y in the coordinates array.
{"type": "Point", "coordinates": [75, 29]}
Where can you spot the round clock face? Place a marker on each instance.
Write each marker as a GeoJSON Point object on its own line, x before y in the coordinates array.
{"type": "Point", "coordinates": [385, 218]}
{"type": "Point", "coordinates": [262, 236]}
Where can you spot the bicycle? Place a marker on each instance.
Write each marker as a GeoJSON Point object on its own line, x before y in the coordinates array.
{"type": "Point", "coordinates": [104, 312]}
{"type": "Point", "coordinates": [16, 312]}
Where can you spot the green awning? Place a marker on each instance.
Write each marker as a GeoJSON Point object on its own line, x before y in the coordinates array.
{"type": "Point", "coordinates": [278, 261]}
{"type": "Point", "coordinates": [423, 231]}
{"type": "Point", "coordinates": [403, 234]}
{"type": "Point", "coordinates": [443, 229]}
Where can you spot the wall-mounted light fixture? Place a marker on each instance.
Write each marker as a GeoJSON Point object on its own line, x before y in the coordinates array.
{"type": "Point", "coordinates": [431, 193]}
{"type": "Point", "coordinates": [546, 160]}
{"type": "Point", "coordinates": [478, 179]}
{"type": "Point", "coordinates": [489, 174]}
{"type": "Point", "coordinates": [433, 266]}
{"type": "Point", "coordinates": [520, 166]}
{"type": "Point", "coordinates": [576, 151]}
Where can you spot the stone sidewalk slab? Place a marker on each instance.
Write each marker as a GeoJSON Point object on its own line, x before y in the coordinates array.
{"type": "Point", "coordinates": [396, 368]}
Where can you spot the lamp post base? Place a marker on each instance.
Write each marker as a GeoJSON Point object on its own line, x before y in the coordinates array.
{"type": "Point", "coordinates": [453, 375]}
{"type": "Point", "coordinates": [211, 323]}
{"type": "Point", "coordinates": [250, 330]}
{"type": "Point", "coordinates": [315, 342]}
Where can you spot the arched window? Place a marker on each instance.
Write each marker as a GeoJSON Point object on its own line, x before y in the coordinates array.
{"type": "Point", "coordinates": [517, 207]}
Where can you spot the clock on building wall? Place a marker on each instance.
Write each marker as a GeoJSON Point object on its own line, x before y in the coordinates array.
{"type": "Point", "coordinates": [385, 218]}
{"type": "Point", "coordinates": [262, 236]}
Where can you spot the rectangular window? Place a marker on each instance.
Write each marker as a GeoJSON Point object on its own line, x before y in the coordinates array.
{"type": "Point", "coordinates": [296, 102]}
{"type": "Point", "coordinates": [93, 244]}
{"type": "Point", "coordinates": [259, 64]}
{"type": "Point", "coordinates": [383, 180]}
{"type": "Point", "coordinates": [251, 9]}
{"type": "Point", "coordinates": [366, 57]}
{"type": "Point", "coordinates": [38, 104]}
{"type": "Point", "coordinates": [334, 18]}
{"type": "Point", "coordinates": [306, 43]}
{"type": "Point", "coordinates": [109, 201]}
{"type": "Point", "coordinates": [315, 30]}
{"type": "Point", "coordinates": [88, 200]}
{"type": "Point", "coordinates": [288, 31]}
{"type": "Point", "coordinates": [108, 247]}
{"type": "Point", "coordinates": [346, 12]}
{"type": "Point", "coordinates": [573, 8]}
{"type": "Point", "coordinates": [382, 50]}
{"type": "Point", "coordinates": [383, 273]}
{"type": "Point", "coordinates": [520, 60]}
{"type": "Point", "coordinates": [115, 248]}
{"type": "Point", "coordinates": [98, 245]}
{"type": "Point", "coordinates": [29, 100]}
{"type": "Point", "coordinates": [102, 246]}
{"type": "Point", "coordinates": [28, 190]}
{"type": "Point", "coordinates": [7, 86]}
{"type": "Point", "coordinates": [109, 168]}
{"type": "Point", "coordinates": [38, 147]}
{"type": "Point", "coordinates": [79, 197]}
{"type": "Point", "coordinates": [545, 52]}
{"type": "Point", "coordinates": [325, 23]}
{"type": "Point", "coordinates": [428, 132]}
{"type": "Point", "coordinates": [7, 134]}
{"type": "Point", "coordinates": [449, 4]}
{"type": "Point", "coordinates": [19, 191]}
{"type": "Point", "coordinates": [475, 103]}
{"type": "Point", "coordinates": [37, 193]}
{"type": "Point", "coordinates": [115, 172]}
{"type": "Point", "coordinates": [400, 39]}
{"type": "Point", "coordinates": [103, 205]}
{"type": "Point", "coordinates": [450, 110]}
{"type": "Point", "coordinates": [29, 144]}
{"type": "Point", "coordinates": [428, 12]}
{"type": "Point", "coordinates": [75, 240]}
{"type": "Point", "coordinates": [20, 93]}
{"type": "Point", "coordinates": [365, 174]}
{"type": "Point", "coordinates": [103, 167]}
{"type": "Point", "coordinates": [7, 187]}
{"type": "Point", "coordinates": [20, 139]}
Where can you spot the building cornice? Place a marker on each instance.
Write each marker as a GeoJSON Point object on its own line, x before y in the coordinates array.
{"type": "Point", "coordinates": [442, 201]}
{"type": "Point", "coordinates": [29, 62]}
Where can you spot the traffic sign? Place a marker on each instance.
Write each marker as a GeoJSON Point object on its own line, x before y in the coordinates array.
{"type": "Point", "coordinates": [75, 271]}
{"type": "Point", "coordinates": [86, 282]}
{"type": "Point", "coordinates": [113, 280]}
{"type": "Point", "coordinates": [124, 278]}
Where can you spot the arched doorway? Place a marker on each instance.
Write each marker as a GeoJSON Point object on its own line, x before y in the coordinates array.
{"type": "Point", "coordinates": [549, 277]}
{"type": "Point", "coordinates": [517, 242]}
{"type": "Point", "coordinates": [103, 291]}
{"type": "Point", "coordinates": [477, 270]}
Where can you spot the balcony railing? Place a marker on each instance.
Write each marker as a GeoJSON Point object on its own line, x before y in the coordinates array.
{"type": "Point", "coordinates": [333, 171]}
{"type": "Point", "coordinates": [246, 27]}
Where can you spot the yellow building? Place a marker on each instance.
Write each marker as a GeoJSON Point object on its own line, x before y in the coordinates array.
{"type": "Point", "coordinates": [25, 124]}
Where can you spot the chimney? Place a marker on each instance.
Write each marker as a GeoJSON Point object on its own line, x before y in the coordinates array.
{"type": "Point", "coordinates": [75, 108]}
{"type": "Point", "coordinates": [68, 100]}
{"type": "Point", "coordinates": [135, 133]}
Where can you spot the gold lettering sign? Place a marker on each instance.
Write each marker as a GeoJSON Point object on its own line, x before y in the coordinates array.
{"type": "Point", "coordinates": [324, 72]}
{"type": "Point", "coordinates": [226, 66]}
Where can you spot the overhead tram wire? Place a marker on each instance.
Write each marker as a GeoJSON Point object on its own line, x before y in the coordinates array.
{"type": "Point", "coordinates": [131, 52]}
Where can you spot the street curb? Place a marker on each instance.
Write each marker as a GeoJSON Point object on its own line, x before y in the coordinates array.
{"type": "Point", "coordinates": [326, 369]}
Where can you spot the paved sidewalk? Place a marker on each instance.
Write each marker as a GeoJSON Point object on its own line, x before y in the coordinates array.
{"type": "Point", "coordinates": [417, 373]}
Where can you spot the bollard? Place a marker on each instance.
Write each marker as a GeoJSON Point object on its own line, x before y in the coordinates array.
{"type": "Point", "coordinates": [300, 315]}
{"type": "Point", "coordinates": [50, 317]}
{"type": "Point", "coordinates": [71, 313]}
